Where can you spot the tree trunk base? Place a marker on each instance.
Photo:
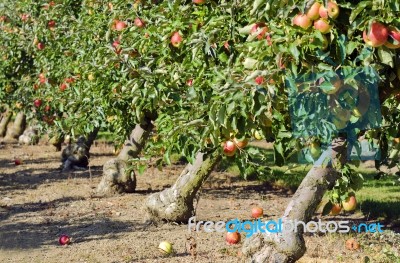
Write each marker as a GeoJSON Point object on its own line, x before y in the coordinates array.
{"type": "Point", "coordinates": [75, 155]}
{"type": "Point", "coordinates": [115, 179]}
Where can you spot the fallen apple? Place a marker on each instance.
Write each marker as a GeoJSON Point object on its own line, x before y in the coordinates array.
{"type": "Point", "coordinates": [64, 240]}
{"type": "Point", "coordinates": [352, 244]}
{"type": "Point", "coordinates": [37, 103]}
{"type": "Point", "coordinates": [17, 162]}
{"type": "Point", "coordinates": [165, 247]}
{"type": "Point", "coordinates": [257, 212]}
{"type": "Point", "coordinates": [120, 25]}
{"type": "Point", "coordinates": [139, 22]}
{"type": "Point", "coordinates": [41, 45]}
{"type": "Point", "coordinates": [232, 238]}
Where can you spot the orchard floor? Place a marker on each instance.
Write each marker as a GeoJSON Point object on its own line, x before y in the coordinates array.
{"type": "Point", "coordinates": [38, 203]}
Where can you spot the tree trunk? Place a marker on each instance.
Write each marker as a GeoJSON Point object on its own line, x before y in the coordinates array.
{"type": "Point", "coordinates": [176, 203]}
{"type": "Point", "coordinates": [115, 178]}
{"type": "Point", "coordinates": [77, 155]}
{"type": "Point", "coordinates": [17, 129]}
{"type": "Point", "coordinates": [290, 245]}
{"type": "Point", "coordinates": [5, 119]}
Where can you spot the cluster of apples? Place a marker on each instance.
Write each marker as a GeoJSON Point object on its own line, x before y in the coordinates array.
{"type": "Point", "coordinates": [379, 35]}
{"type": "Point", "coordinates": [230, 146]}
{"type": "Point", "coordinates": [349, 204]}
{"type": "Point", "coordinates": [319, 14]}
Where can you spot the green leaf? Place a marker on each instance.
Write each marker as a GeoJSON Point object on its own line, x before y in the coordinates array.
{"type": "Point", "coordinates": [327, 208]}
{"type": "Point", "coordinates": [386, 57]}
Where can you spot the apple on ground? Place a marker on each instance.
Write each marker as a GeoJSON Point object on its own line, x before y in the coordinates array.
{"type": "Point", "coordinates": [64, 240]}
{"type": "Point", "coordinates": [313, 12]}
{"type": "Point", "coordinates": [17, 161]}
{"type": "Point", "coordinates": [257, 212]}
{"type": "Point", "coordinates": [350, 203]}
{"type": "Point", "coordinates": [51, 24]}
{"type": "Point", "coordinates": [165, 247]}
{"type": "Point", "coordinates": [232, 238]}
{"type": "Point", "coordinates": [139, 22]}
{"type": "Point", "coordinates": [229, 148]}
{"type": "Point", "coordinates": [176, 39]}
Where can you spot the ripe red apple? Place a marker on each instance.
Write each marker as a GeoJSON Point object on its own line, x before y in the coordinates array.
{"type": "Point", "coordinates": [41, 45]}
{"type": "Point", "coordinates": [261, 28]}
{"type": "Point", "coordinates": [51, 24]}
{"type": "Point", "coordinates": [322, 25]}
{"type": "Point", "coordinates": [139, 22]}
{"type": "Point", "coordinates": [393, 41]}
{"type": "Point", "coordinates": [302, 21]}
{"type": "Point", "coordinates": [333, 10]}
{"type": "Point", "coordinates": [313, 11]}
{"type": "Point", "coordinates": [63, 86]}
{"type": "Point", "coordinates": [377, 35]}
{"type": "Point", "coordinates": [189, 82]}
{"type": "Point", "coordinates": [64, 240]}
{"type": "Point", "coordinates": [199, 2]}
{"type": "Point", "coordinates": [120, 25]}
{"type": "Point", "coordinates": [17, 161]}
{"type": "Point", "coordinates": [24, 17]}
{"type": "Point", "coordinates": [116, 45]}
{"type": "Point", "coordinates": [259, 80]}
{"type": "Point", "coordinates": [37, 103]}
{"type": "Point", "coordinates": [176, 39]}
{"type": "Point", "coordinates": [257, 212]}
{"type": "Point", "coordinates": [336, 208]}
{"type": "Point", "coordinates": [70, 80]}
{"type": "Point", "coordinates": [229, 148]}
{"type": "Point", "coordinates": [350, 202]}
{"type": "Point", "coordinates": [323, 12]}
{"type": "Point", "coordinates": [232, 238]}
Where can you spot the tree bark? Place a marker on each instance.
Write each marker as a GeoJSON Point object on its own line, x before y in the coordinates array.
{"type": "Point", "coordinates": [290, 245]}
{"type": "Point", "coordinates": [77, 155]}
{"type": "Point", "coordinates": [176, 203]}
{"type": "Point", "coordinates": [17, 128]}
{"type": "Point", "coordinates": [5, 119]}
{"type": "Point", "coordinates": [115, 177]}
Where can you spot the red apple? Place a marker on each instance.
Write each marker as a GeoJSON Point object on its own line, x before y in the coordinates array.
{"type": "Point", "coordinates": [302, 21]}
{"type": "Point", "coordinates": [37, 103]}
{"type": "Point", "coordinates": [313, 11]}
{"type": "Point", "coordinates": [63, 86]}
{"type": "Point", "coordinates": [139, 22]}
{"type": "Point", "coordinates": [377, 35]}
{"type": "Point", "coordinates": [176, 39]}
{"type": "Point", "coordinates": [261, 29]}
{"type": "Point", "coordinates": [189, 82]}
{"type": "Point", "coordinates": [64, 240]}
{"type": "Point", "coordinates": [47, 108]}
{"type": "Point", "coordinates": [393, 41]}
{"type": "Point", "coordinates": [229, 148]}
{"type": "Point", "coordinates": [17, 162]}
{"type": "Point", "coordinates": [51, 23]}
{"type": "Point", "coordinates": [322, 25]}
{"type": "Point", "coordinates": [70, 80]}
{"type": "Point", "coordinates": [199, 2]}
{"type": "Point", "coordinates": [257, 212]}
{"type": "Point", "coordinates": [336, 208]}
{"type": "Point", "coordinates": [259, 80]}
{"type": "Point", "coordinates": [120, 25]}
{"type": "Point", "coordinates": [333, 10]}
{"type": "Point", "coordinates": [350, 202]}
{"type": "Point", "coordinates": [232, 238]}
{"type": "Point", "coordinates": [41, 45]}
{"type": "Point", "coordinates": [323, 12]}
{"type": "Point", "coordinates": [24, 17]}
{"type": "Point", "coordinates": [116, 45]}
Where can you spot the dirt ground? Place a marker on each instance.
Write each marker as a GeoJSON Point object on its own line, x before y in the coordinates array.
{"type": "Point", "coordinates": [38, 203]}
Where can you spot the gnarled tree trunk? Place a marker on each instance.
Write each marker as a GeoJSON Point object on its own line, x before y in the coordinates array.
{"type": "Point", "coordinates": [290, 246]}
{"type": "Point", "coordinates": [77, 155]}
{"type": "Point", "coordinates": [176, 203]}
{"type": "Point", "coordinates": [5, 119]}
{"type": "Point", "coordinates": [17, 128]}
{"type": "Point", "coordinates": [115, 177]}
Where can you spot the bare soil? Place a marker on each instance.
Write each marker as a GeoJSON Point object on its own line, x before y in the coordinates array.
{"type": "Point", "coordinates": [38, 203]}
